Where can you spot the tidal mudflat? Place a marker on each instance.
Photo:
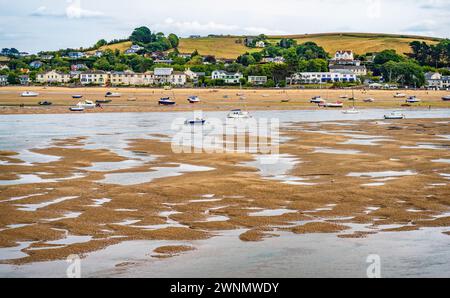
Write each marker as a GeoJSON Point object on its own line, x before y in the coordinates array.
{"type": "Point", "coordinates": [109, 188]}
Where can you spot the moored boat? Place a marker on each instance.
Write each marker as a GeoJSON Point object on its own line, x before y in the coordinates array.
{"type": "Point", "coordinates": [197, 121]}
{"type": "Point", "coordinates": [77, 108]}
{"type": "Point", "coordinates": [29, 94]}
{"type": "Point", "coordinates": [112, 94]}
{"type": "Point", "coordinates": [193, 99]}
{"type": "Point", "coordinates": [77, 96]}
{"type": "Point", "coordinates": [166, 101]}
{"type": "Point", "coordinates": [103, 101]}
{"type": "Point", "coordinates": [87, 104]}
{"type": "Point", "coordinates": [337, 104]}
{"type": "Point", "coordinates": [369, 100]}
{"type": "Point", "coordinates": [413, 99]}
{"type": "Point", "coordinates": [399, 95]}
{"type": "Point", "coordinates": [394, 116]}
{"type": "Point", "coordinates": [351, 111]}
{"type": "Point", "coordinates": [239, 114]}
{"type": "Point", "coordinates": [45, 103]}
{"type": "Point", "coordinates": [317, 99]}
{"type": "Point", "coordinates": [446, 98]}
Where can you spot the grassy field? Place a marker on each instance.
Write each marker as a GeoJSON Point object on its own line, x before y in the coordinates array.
{"type": "Point", "coordinates": [227, 46]}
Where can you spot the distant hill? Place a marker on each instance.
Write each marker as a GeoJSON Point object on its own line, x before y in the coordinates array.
{"type": "Point", "coordinates": [360, 43]}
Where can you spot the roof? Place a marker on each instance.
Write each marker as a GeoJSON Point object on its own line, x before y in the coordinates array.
{"type": "Point", "coordinates": [93, 72]}
{"type": "Point", "coordinates": [163, 71]}
{"type": "Point", "coordinates": [346, 67]}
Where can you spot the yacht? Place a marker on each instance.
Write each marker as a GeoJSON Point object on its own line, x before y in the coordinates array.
{"type": "Point", "coordinates": [87, 104]}
{"type": "Point", "coordinates": [193, 99]}
{"type": "Point", "coordinates": [29, 94]}
{"type": "Point", "coordinates": [413, 99]}
{"type": "Point", "coordinates": [239, 114]}
{"type": "Point", "coordinates": [111, 94]}
{"type": "Point", "coordinates": [166, 101]}
{"type": "Point", "coordinates": [399, 95]}
{"type": "Point", "coordinates": [394, 116]}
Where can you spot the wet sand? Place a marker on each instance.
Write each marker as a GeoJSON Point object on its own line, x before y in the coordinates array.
{"type": "Point", "coordinates": [394, 184]}
{"type": "Point", "coordinates": [146, 100]}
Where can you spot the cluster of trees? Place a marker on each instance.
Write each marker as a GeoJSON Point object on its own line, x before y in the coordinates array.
{"type": "Point", "coordinates": [152, 42]}
{"type": "Point", "coordinates": [437, 55]}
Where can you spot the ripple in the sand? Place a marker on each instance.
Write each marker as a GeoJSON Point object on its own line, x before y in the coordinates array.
{"type": "Point", "coordinates": [127, 179]}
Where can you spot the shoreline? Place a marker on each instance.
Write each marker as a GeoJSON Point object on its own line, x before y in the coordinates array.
{"type": "Point", "coordinates": [146, 100]}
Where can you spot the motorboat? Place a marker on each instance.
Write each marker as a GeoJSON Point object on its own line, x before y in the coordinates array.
{"type": "Point", "coordinates": [87, 104]}
{"type": "Point", "coordinates": [351, 111]}
{"type": "Point", "coordinates": [239, 114]}
{"type": "Point", "coordinates": [29, 94]}
{"type": "Point", "coordinates": [103, 101]}
{"type": "Point", "coordinates": [369, 100]}
{"type": "Point", "coordinates": [77, 108]}
{"type": "Point", "coordinates": [45, 103]}
{"type": "Point", "coordinates": [337, 104]}
{"type": "Point", "coordinates": [193, 99]}
{"type": "Point", "coordinates": [196, 121]}
{"type": "Point", "coordinates": [399, 95]}
{"type": "Point", "coordinates": [446, 98]}
{"type": "Point", "coordinates": [317, 99]}
{"type": "Point", "coordinates": [166, 101]}
{"type": "Point", "coordinates": [77, 96]}
{"type": "Point", "coordinates": [285, 100]}
{"type": "Point", "coordinates": [112, 94]}
{"type": "Point", "coordinates": [413, 99]}
{"type": "Point", "coordinates": [394, 116]}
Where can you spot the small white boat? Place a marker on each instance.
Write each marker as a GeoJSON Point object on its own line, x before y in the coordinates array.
{"type": "Point", "coordinates": [166, 101]}
{"type": "Point", "coordinates": [193, 99]}
{"type": "Point", "coordinates": [239, 114]}
{"type": "Point", "coordinates": [87, 104]}
{"type": "Point", "coordinates": [351, 111]}
{"type": "Point", "coordinates": [413, 99]}
{"type": "Point", "coordinates": [399, 95]}
{"type": "Point", "coordinates": [369, 100]}
{"type": "Point", "coordinates": [77, 109]}
{"type": "Point", "coordinates": [196, 121]}
{"type": "Point", "coordinates": [111, 94]}
{"type": "Point", "coordinates": [394, 116]}
{"type": "Point", "coordinates": [446, 98]}
{"type": "Point", "coordinates": [317, 99]}
{"type": "Point", "coordinates": [29, 94]}
{"type": "Point", "coordinates": [337, 104]}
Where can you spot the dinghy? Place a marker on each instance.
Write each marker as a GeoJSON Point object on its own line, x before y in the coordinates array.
{"type": "Point", "coordinates": [197, 121]}
{"type": "Point", "coordinates": [45, 103]}
{"type": "Point", "coordinates": [77, 96]}
{"type": "Point", "coordinates": [166, 102]}
{"type": "Point", "coordinates": [193, 99]}
{"type": "Point", "coordinates": [446, 98]}
{"type": "Point", "coordinates": [413, 99]}
{"type": "Point", "coordinates": [394, 116]}
{"type": "Point", "coordinates": [103, 101]}
{"type": "Point", "coordinates": [337, 104]}
{"type": "Point", "coordinates": [369, 100]}
{"type": "Point", "coordinates": [317, 99]}
{"type": "Point", "coordinates": [111, 94]}
{"type": "Point", "coordinates": [399, 95]}
{"type": "Point", "coordinates": [239, 114]}
{"type": "Point", "coordinates": [29, 94]}
{"type": "Point", "coordinates": [77, 108]}
{"type": "Point", "coordinates": [87, 104]}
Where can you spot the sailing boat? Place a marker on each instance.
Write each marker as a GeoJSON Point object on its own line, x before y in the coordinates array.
{"type": "Point", "coordinates": [353, 110]}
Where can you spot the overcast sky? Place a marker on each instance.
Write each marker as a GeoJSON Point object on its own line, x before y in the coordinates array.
{"type": "Point", "coordinates": [34, 25]}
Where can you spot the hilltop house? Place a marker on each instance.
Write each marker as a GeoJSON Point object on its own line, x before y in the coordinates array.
{"type": "Point", "coordinates": [260, 44]}
{"type": "Point", "coordinates": [97, 77]}
{"type": "Point", "coordinates": [75, 55]}
{"type": "Point", "coordinates": [134, 49]}
{"type": "Point", "coordinates": [257, 80]}
{"type": "Point", "coordinates": [343, 56]}
{"type": "Point", "coordinates": [320, 77]}
{"type": "Point", "coordinates": [24, 80]}
{"type": "Point", "coordinates": [53, 77]}
{"type": "Point", "coordinates": [3, 80]}
{"type": "Point", "coordinates": [36, 64]}
{"type": "Point", "coordinates": [227, 77]}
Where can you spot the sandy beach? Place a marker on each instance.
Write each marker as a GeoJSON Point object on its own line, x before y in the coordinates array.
{"type": "Point", "coordinates": [146, 100]}
{"type": "Point", "coordinates": [340, 175]}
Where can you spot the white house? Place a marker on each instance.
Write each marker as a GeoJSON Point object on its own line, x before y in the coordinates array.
{"type": "Point", "coordinates": [228, 77]}
{"type": "Point", "coordinates": [445, 82]}
{"type": "Point", "coordinates": [359, 70]}
{"type": "Point", "coordinates": [434, 80]}
{"type": "Point", "coordinates": [260, 44]}
{"type": "Point", "coordinates": [3, 80]}
{"type": "Point", "coordinates": [96, 77]}
{"type": "Point", "coordinates": [257, 80]}
{"type": "Point", "coordinates": [159, 76]}
{"type": "Point", "coordinates": [344, 56]}
{"type": "Point", "coordinates": [321, 77]}
{"type": "Point", "coordinates": [53, 77]}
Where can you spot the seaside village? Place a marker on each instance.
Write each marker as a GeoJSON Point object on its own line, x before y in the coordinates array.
{"type": "Point", "coordinates": [343, 67]}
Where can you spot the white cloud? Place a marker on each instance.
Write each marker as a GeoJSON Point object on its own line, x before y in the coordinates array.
{"type": "Point", "coordinates": [193, 26]}
{"type": "Point", "coordinates": [75, 11]}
